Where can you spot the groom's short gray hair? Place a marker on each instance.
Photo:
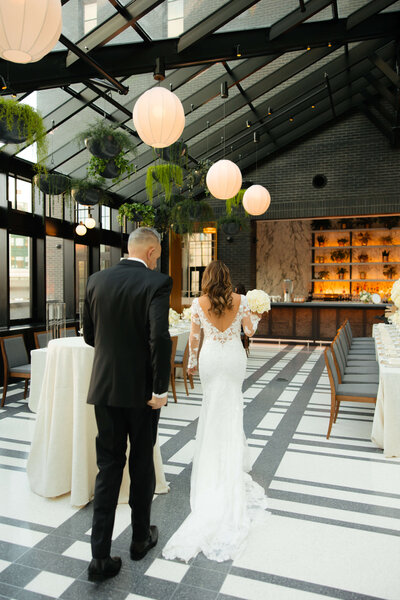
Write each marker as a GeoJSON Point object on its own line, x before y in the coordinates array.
{"type": "Point", "coordinates": [143, 236]}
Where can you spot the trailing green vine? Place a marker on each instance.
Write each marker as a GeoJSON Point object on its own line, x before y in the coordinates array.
{"type": "Point", "coordinates": [29, 124]}
{"type": "Point", "coordinates": [188, 214]}
{"type": "Point", "coordinates": [164, 177]}
{"type": "Point", "coordinates": [137, 213]}
{"type": "Point", "coordinates": [97, 166]}
{"type": "Point", "coordinates": [234, 202]}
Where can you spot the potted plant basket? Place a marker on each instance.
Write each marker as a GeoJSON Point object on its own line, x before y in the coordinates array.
{"type": "Point", "coordinates": [341, 272]}
{"type": "Point", "coordinates": [342, 241]}
{"type": "Point", "coordinates": [188, 213]}
{"type": "Point", "coordinates": [163, 177]}
{"type": "Point", "coordinates": [321, 239]}
{"type": "Point", "coordinates": [196, 176]}
{"type": "Point", "coordinates": [231, 224]}
{"type": "Point", "coordinates": [322, 275]}
{"type": "Point", "coordinates": [105, 141]}
{"type": "Point", "coordinates": [386, 239]}
{"type": "Point", "coordinates": [389, 271]}
{"type": "Point", "coordinates": [87, 192]}
{"type": "Point", "coordinates": [20, 123]}
{"type": "Point", "coordinates": [52, 184]}
{"type": "Point", "coordinates": [136, 212]}
{"type": "Point", "coordinates": [339, 255]}
{"type": "Point", "coordinates": [362, 257]}
{"type": "Point", "coordinates": [364, 238]}
{"type": "Point", "coordinates": [176, 154]}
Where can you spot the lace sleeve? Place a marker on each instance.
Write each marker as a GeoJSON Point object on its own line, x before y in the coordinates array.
{"type": "Point", "coordinates": [194, 338]}
{"type": "Point", "coordinates": [249, 319]}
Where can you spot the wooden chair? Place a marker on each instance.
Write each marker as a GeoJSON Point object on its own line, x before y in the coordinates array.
{"type": "Point", "coordinates": [41, 339]}
{"type": "Point", "coordinates": [71, 331]}
{"type": "Point", "coordinates": [345, 392]}
{"type": "Point", "coordinates": [181, 362]}
{"type": "Point", "coordinates": [174, 340]}
{"type": "Point", "coordinates": [16, 361]}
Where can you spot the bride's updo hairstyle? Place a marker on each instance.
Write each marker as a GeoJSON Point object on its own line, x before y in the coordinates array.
{"type": "Point", "coordinates": [217, 285]}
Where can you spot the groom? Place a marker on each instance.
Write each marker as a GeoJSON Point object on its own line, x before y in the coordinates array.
{"type": "Point", "coordinates": [126, 320]}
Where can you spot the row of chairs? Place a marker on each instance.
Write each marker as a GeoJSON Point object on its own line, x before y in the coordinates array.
{"type": "Point", "coordinates": [352, 369]}
{"type": "Point", "coordinates": [15, 357]}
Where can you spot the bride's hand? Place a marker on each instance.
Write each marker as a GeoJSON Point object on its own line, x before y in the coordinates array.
{"type": "Point", "coordinates": [191, 371]}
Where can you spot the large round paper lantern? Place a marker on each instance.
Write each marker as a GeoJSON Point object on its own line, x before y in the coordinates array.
{"type": "Point", "coordinates": [29, 29]}
{"type": "Point", "coordinates": [159, 117]}
{"type": "Point", "coordinates": [256, 200]}
{"type": "Point", "coordinates": [224, 179]}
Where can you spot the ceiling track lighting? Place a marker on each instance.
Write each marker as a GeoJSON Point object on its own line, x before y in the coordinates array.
{"type": "Point", "coordinates": [269, 111]}
{"type": "Point", "coordinates": [256, 137]}
{"type": "Point", "coordinates": [159, 70]}
{"type": "Point", "coordinates": [224, 90]}
{"type": "Point", "coordinates": [329, 44]}
{"type": "Point", "coordinates": [3, 84]}
{"type": "Point", "coordinates": [238, 52]}
{"type": "Point", "coordinates": [308, 47]}
{"type": "Point", "coordinates": [291, 119]}
{"type": "Point", "coordinates": [248, 123]}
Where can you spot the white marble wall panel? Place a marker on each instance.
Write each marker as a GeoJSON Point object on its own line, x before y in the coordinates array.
{"type": "Point", "coordinates": [284, 252]}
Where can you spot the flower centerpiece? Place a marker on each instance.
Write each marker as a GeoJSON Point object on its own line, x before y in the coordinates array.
{"type": "Point", "coordinates": [186, 314]}
{"type": "Point", "coordinates": [365, 296]}
{"type": "Point", "coordinates": [259, 301]}
{"type": "Point", "coordinates": [173, 317]}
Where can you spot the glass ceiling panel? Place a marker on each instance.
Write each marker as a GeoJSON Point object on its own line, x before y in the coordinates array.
{"type": "Point", "coordinates": [322, 15]}
{"type": "Point", "coordinates": [348, 7]}
{"type": "Point", "coordinates": [82, 16]}
{"type": "Point", "coordinates": [262, 14]}
{"type": "Point", "coordinates": [392, 8]}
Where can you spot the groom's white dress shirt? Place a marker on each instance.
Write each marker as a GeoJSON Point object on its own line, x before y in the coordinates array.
{"type": "Point", "coordinates": [143, 262]}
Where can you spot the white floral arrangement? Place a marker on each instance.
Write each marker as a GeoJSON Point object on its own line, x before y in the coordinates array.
{"type": "Point", "coordinates": [395, 293]}
{"type": "Point", "coordinates": [394, 318]}
{"type": "Point", "coordinates": [365, 296]}
{"type": "Point", "coordinates": [186, 314]}
{"type": "Point", "coordinates": [259, 301]}
{"type": "Point", "coordinates": [173, 317]}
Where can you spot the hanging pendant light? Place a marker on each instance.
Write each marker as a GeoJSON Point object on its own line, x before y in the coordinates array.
{"type": "Point", "coordinates": [159, 117]}
{"type": "Point", "coordinates": [256, 200]}
{"type": "Point", "coordinates": [224, 179]}
{"type": "Point", "coordinates": [29, 29]}
{"type": "Point", "coordinates": [90, 223]}
{"type": "Point", "coordinates": [80, 229]}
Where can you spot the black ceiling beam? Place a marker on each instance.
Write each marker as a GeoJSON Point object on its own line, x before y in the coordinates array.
{"type": "Point", "coordinates": [302, 6]}
{"type": "Point", "coordinates": [289, 95]}
{"type": "Point", "coordinates": [122, 89]}
{"type": "Point", "coordinates": [367, 11]}
{"type": "Point", "coordinates": [335, 13]}
{"type": "Point", "coordinates": [214, 21]}
{"type": "Point", "coordinates": [385, 68]}
{"type": "Point", "coordinates": [298, 16]}
{"type": "Point", "coordinates": [128, 59]}
{"type": "Point", "coordinates": [112, 27]}
{"type": "Point", "coordinates": [126, 14]}
{"type": "Point", "coordinates": [382, 89]}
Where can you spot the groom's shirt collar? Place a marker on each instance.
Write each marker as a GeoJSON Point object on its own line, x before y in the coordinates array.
{"type": "Point", "coordinates": [138, 260]}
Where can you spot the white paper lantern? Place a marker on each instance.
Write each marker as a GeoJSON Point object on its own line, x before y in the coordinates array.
{"type": "Point", "coordinates": [29, 29]}
{"type": "Point", "coordinates": [256, 200]}
{"type": "Point", "coordinates": [224, 179]}
{"type": "Point", "coordinates": [80, 229]}
{"type": "Point", "coordinates": [159, 117]}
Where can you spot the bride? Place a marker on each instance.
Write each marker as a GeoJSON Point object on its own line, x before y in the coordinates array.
{"type": "Point", "coordinates": [223, 497]}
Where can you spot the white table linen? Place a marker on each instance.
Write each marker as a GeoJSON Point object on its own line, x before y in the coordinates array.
{"type": "Point", "coordinates": [63, 457]}
{"type": "Point", "coordinates": [386, 424]}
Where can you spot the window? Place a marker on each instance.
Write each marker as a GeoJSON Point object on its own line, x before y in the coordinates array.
{"type": "Point", "coordinates": [105, 217]}
{"type": "Point", "coordinates": [81, 271]}
{"type": "Point", "coordinates": [105, 257]}
{"type": "Point", "coordinates": [198, 250]}
{"type": "Point", "coordinates": [82, 213]}
{"type": "Point", "coordinates": [54, 269]}
{"type": "Point", "coordinates": [20, 193]}
{"type": "Point", "coordinates": [20, 277]}
{"type": "Point", "coordinates": [89, 16]}
{"type": "Point", "coordinates": [175, 18]}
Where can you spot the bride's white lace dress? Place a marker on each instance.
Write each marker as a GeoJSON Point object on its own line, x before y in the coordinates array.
{"type": "Point", "coordinates": [223, 497]}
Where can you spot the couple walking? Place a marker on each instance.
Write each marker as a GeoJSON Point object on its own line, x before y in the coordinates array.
{"type": "Point", "coordinates": [126, 320]}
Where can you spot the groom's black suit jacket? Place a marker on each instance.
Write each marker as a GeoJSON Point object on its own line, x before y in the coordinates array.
{"type": "Point", "coordinates": [126, 320]}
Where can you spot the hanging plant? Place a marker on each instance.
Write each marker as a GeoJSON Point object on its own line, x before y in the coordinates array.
{"type": "Point", "coordinates": [88, 192]}
{"type": "Point", "coordinates": [162, 218]}
{"type": "Point", "coordinates": [20, 123]}
{"type": "Point", "coordinates": [232, 223]}
{"type": "Point", "coordinates": [115, 169]}
{"type": "Point", "coordinates": [55, 185]}
{"type": "Point", "coordinates": [188, 214]}
{"type": "Point", "coordinates": [136, 212]}
{"type": "Point", "coordinates": [234, 202]}
{"type": "Point", "coordinates": [196, 176]}
{"type": "Point", "coordinates": [176, 154]}
{"type": "Point", "coordinates": [105, 140]}
{"type": "Point", "coordinates": [164, 177]}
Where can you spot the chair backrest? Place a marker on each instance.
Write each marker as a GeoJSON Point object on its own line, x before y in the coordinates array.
{"type": "Point", "coordinates": [42, 338]}
{"type": "Point", "coordinates": [342, 342]}
{"type": "Point", "coordinates": [330, 366]}
{"type": "Point", "coordinates": [174, 340]}
{"type": "Point", "coordinates": [338, 360]}
{"type": "Point", "coordinates": [348, 330]}
{"type": "Point", "coordinates": [70, 332]}
{"type": "Point", "coordinates": [14, 351]}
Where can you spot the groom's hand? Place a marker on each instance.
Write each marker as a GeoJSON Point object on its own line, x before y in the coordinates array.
{"type": "Point", "coordinates": [157, 403]}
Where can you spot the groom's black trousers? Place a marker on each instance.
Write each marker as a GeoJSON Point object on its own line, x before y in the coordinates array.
{"type": "Point", "coordinates": [115, 425]}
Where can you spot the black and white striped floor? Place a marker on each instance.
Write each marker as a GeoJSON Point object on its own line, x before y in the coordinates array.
{"type": "Point", "coordinates": [334, 531]}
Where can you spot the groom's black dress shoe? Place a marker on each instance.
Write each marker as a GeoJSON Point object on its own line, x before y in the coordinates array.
{"type": "Point", "coordinates": [103, 568]}
{"type": "Point", "coordinates": [140, 549]}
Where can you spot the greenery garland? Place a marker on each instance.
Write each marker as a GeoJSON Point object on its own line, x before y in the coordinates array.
{"type": "Point", "coordinates": [30, 124]}
{"type": "Point", "coordinates": [136, 213]}
{"type": "Point", "coordinates": [164, 176]}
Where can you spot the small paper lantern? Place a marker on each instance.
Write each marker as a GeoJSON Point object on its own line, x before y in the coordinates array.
{"type": "Point", "coordinates": [90, 223]}
{"type": "Point", "coordinates": [80, 229]}
{"type": "Point", "coordinates": [159, 117]}
{"type": "Point", "coordinates": [29, 29]}
{"type": "Point", "coordinates": [224, 179]}
{"type": "Point", "coordinates": [256, 200]}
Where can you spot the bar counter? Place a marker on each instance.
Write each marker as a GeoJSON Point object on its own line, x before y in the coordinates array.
{"type": "Point", "coordinates": [317, 321]}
